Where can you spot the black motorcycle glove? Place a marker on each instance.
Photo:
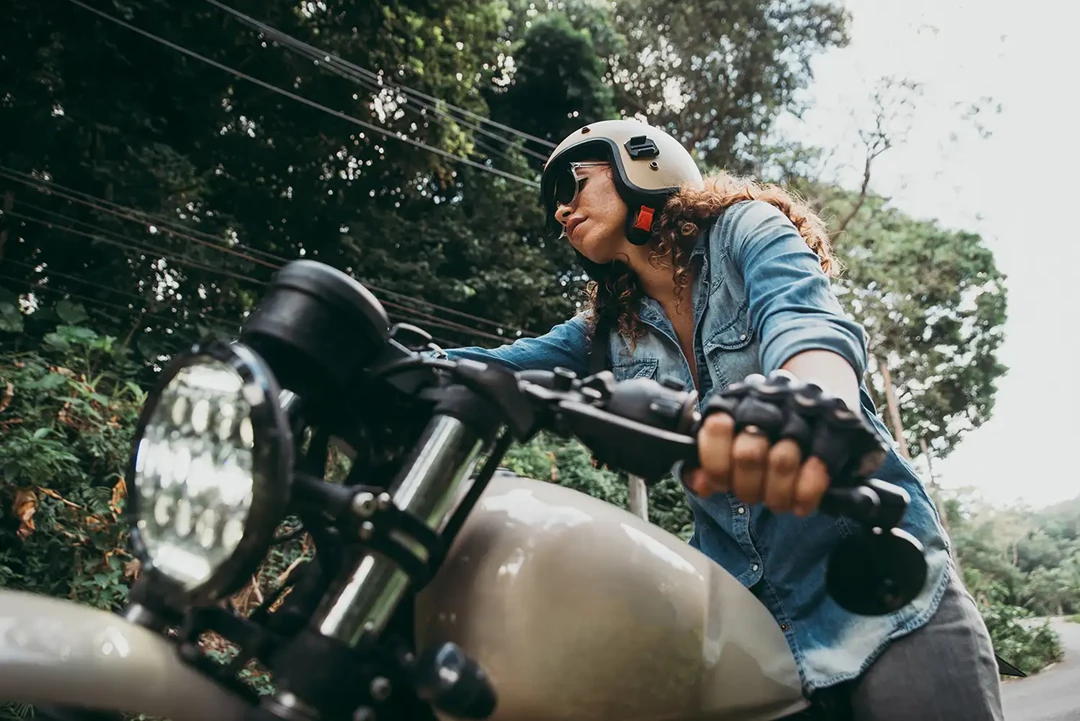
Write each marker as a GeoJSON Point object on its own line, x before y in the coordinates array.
{"type": "Point", "coordinates": [780, 407]}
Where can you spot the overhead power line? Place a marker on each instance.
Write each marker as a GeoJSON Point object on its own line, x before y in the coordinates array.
{"type": "Point", "coordinates": [50, 273]}
{"type": "Point", "coordinates": [239, 250]}
{"type": "Point", "coordinates": [393, 309]}
{"type": "Point", "coordinates": [300, 98]}
{"type": "Point", "coordinates": [362, 72]}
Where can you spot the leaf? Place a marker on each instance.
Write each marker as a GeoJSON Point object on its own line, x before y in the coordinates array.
{"type": "Point", "coordinates": [40, 433]}
{"type": "Point", "coordinates": [5, 399]}
{"type": "Point", "coordinates": [132, 568]}
{"type": "Point", "coordinates": [49, 382]}
{"type": "Point", "coordinates": [71, 313]}
{"type": "Point", "coordinates": [57, 341]}
{"type": "Point", "coordinates": [11, 320]}
{"type": "Point", "coordinates": [25, 505]}
{"type": "Point", "coordinates": [119, 493]}
{"type": "Point", "coordinates": [53, 494]}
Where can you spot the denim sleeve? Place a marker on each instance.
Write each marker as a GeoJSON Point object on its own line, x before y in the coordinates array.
{"type": "Point", "coordinates": [566, 345]}
{"type": "Point", "coordinates": [791, 303]}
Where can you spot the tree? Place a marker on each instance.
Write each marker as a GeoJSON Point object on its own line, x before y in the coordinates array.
{"type": "Point", "coordinates": [558, 82]}
{"type": "Point", "coordinates": [715, 74]}
{"type": "Point", "coordinates": [931, 299]}
{"type": "Point", "coordinates": [933, 304]}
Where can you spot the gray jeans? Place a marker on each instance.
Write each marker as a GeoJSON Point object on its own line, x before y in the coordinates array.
{"type": "Point", "coordinates": [944, 671]}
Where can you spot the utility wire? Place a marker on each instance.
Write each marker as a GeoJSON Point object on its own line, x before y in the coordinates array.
{"type": "Point", "coordinates": [141, 249]}
{"type": "Point", "coordinates": [213, 242]}
{"type": "Point", "coordinates": [50, 273]}
{"type": "Point", "coordinates": [86, 299]}
{"type": "Point", "coordinates": [51, 187]}
{"type": "Point", "coordinates": [372, 76]}
{"type": "Point", "coordinates": [101, 234]}
{"type": "Point", "coordinates": [414, 105]}
{"type": "Point", "coordinates": [419, 316]}
{"type": "Point", "coordinates": [300, 98]}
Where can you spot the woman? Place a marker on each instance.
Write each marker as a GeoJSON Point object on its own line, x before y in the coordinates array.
{"type": "Point", "coordinates": [711, 281]}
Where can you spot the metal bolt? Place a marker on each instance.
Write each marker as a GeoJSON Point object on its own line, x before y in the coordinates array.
{"type": "Point", "coordinates": [364, 504]}
{"type": "Point", "coordinates": [380, 688]}
{"type": "Point", "coordinates": [585, 130]}
{"type": "Point", "coordinates": [654, 165]}
{"type": "Point", "coordinates": [367, 530]}
{"type": "Point", "coordinates": [384, 501]}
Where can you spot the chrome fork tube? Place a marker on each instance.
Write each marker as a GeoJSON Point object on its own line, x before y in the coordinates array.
{"type": "Point", "coordinates": [435, 479]}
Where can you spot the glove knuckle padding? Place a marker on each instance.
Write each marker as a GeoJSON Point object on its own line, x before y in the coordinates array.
{"type": "Point", "coordinates": [821, 425]}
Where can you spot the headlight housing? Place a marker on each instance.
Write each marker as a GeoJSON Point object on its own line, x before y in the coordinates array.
{"type": "Point", "coordinates": [211, 471]}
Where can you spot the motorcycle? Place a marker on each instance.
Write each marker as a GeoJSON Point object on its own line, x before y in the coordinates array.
{"type": "Point", "coordinates": [442, 585]}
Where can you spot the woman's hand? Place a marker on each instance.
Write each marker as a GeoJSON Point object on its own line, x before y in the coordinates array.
{"type": "Point", "coordinates": [790, 435]}
{"type": "Point", "coordinates": [757, 473]}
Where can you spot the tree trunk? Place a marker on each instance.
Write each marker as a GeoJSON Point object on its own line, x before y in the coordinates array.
{"type": "Point", "coordinates": [929, 464]}
{"type": "Point", "coordinates": [9, 203]}
{"type": "Point", "coordinates": [934, 488]}
{"type": "Point", "coordinates": [639, 498]}
{"type": "Point", "coordinates": [894, 411]}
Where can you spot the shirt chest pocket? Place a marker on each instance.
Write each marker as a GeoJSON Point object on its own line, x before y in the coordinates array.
{"type": "Point", "coordinates": [731, 352]}
{"type": "Point", "coordinates": [638, 368]}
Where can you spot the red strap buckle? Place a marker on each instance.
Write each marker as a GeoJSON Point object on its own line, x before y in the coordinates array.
{"type": "Point", "coordinates": [644, 219]}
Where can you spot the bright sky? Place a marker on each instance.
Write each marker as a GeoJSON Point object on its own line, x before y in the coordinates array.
{"type": "Point", "coordinates": [1017, 189]}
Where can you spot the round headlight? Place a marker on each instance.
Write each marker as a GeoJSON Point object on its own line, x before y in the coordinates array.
{"type": "Point", "coordinates": [212, 470]}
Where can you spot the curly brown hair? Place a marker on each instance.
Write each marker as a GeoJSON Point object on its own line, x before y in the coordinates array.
{"type": "Point", "coordinates": [675, 233]}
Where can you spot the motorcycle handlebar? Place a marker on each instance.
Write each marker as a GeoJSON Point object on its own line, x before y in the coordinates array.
{"type": "Point", "coordinates": [646, 427]}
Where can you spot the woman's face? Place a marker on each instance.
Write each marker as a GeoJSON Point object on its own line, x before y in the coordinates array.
{"type": "Point", "coordinates": [595, 221]}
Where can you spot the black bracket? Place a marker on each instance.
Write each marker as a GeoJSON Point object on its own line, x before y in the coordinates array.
{"type": "Point", "coordinates": [641, 146]}
{"type": "Point", "coordinates": [381, 525]}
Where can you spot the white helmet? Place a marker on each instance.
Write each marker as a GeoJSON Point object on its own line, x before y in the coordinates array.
{"type": "Point", "coordinates": [650, 166]}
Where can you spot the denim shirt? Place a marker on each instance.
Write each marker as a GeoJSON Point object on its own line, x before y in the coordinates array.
{"type": "Point", "coordinates": [760, 298]}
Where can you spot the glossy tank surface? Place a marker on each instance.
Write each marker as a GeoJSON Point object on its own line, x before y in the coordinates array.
{"type": "Point", "coordinates": [581, 611]}
{"type": "Point", "coordinates": [57, 652]}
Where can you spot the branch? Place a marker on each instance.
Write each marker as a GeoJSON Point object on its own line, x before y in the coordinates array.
{"type": "Point", "coordinates": [879, 145]}
{"type": "Point", "coordinates": [890, 98]}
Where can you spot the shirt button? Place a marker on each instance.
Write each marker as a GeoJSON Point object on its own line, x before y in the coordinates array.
{"type": "Point", "coordinates": [783, 627]}
{"type": "Point", "coordinates": [742, 337]}
{"type": "Point", "coordinates": [754, 567]}
{"type": "Point", "coordinates": [741, 510]}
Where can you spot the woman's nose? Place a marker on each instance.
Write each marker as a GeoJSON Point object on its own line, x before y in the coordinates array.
{"type": "Point", "coordinates": [562, 214]}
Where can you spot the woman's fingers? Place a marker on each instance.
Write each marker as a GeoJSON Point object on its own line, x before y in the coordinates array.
{"type": "Point", "coordinates": [749, 459]}
{"type": "Point", "coordinates": [784, 462]}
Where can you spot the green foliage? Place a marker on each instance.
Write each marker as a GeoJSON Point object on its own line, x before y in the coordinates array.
{"type": "Point", "coordinates": [715, 73]}
{"type": "Point", "coordinates": [67, 417]}
{"type": "Point", "coordinates": [559, 82]}
{"type": "Point", "coordinates": [1019, 564]}
{"type": "Point", "coordinates": [568, 463]}
{"type": "Point", "coordinates": [1029, 647]}
{"type": "Point", "coordinates": [933, 304]}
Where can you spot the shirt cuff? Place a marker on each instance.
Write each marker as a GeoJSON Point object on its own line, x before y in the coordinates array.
{"type": "Point", "coordinates": [788, 343]}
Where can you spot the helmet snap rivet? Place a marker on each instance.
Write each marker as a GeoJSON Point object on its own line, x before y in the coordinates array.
{"type": "Point", "coordinates": [585, 130]}
{"type": "Point", "coordinates": [654, 165]}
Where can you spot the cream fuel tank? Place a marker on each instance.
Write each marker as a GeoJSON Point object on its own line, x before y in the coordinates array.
{"type": "Point", "coordinates": [581, 611]}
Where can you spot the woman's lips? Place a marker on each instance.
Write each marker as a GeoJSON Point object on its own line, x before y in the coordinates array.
{"type": "Point", "coordinates": [573, 226]}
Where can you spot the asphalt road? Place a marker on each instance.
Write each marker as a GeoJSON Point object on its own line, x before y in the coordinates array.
{"type": "Point", "coordinates": [1053, 695]}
